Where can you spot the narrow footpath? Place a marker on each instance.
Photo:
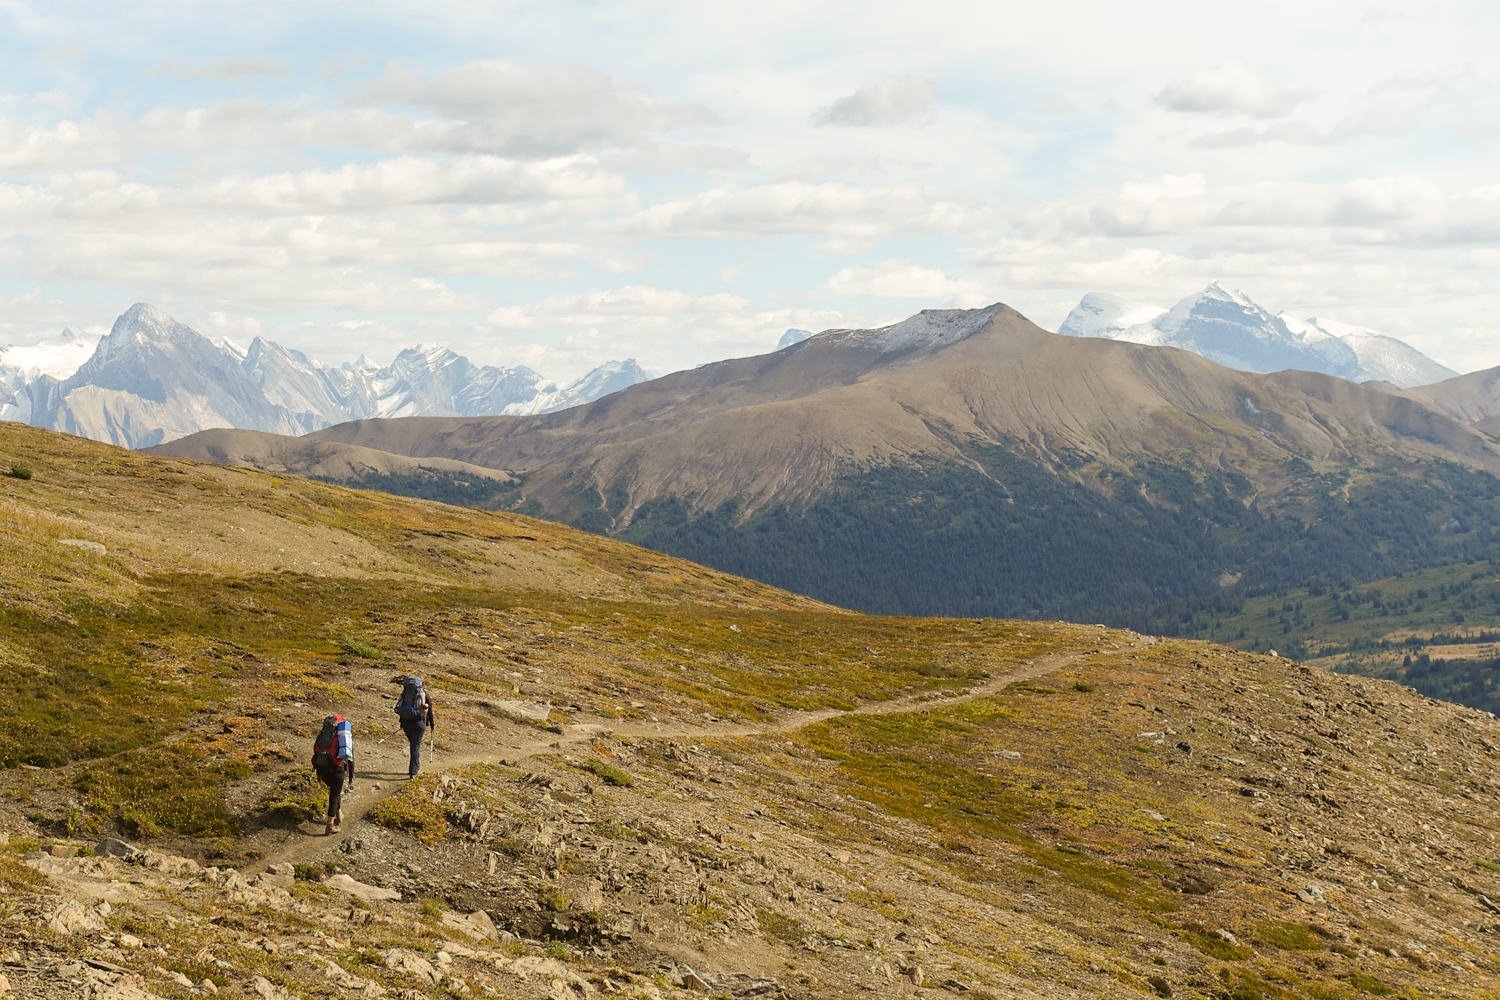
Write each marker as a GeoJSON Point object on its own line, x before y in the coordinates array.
{"type": "Point", "coordinates": [383, 762]}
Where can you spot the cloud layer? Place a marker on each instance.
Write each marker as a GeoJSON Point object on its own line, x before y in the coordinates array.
{"type": "Point", "coordinates": [560, 185]}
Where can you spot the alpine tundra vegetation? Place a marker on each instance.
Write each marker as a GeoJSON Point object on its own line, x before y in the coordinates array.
{"type": "Point", "coordinates": [657, 780]}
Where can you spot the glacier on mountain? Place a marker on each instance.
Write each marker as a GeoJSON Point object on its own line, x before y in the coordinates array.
{"type": "Point", "coordinates": [1227, 327]}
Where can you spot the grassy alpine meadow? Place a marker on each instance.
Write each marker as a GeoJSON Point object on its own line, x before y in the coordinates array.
{"type": "Point", "coordinates": [639, 759]}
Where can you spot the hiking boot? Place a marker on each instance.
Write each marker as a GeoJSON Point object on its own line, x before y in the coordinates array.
{"type": "Point", "coordinates": [328, 827]}
{"type": "Point", "coordinates": [338, 818]}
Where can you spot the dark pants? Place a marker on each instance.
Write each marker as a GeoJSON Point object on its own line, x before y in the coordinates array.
{"type": "Point", "coordinates": [414, 730]}
{"type": "Point", "coordinates": [335, 782]}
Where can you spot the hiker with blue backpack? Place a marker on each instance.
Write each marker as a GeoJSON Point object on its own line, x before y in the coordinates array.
{"type": "Point", "coordinates": [333, 760]}
{"type": "Point", "coordinates": [414, 708]}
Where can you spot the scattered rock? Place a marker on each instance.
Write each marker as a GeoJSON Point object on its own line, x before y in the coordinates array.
{"type": "Point", "coordinates": [274, 880]}
{"type": "Point", "coordinates": [1311, 894]}
{"type": "Point", "coordinates": [63, 850]}
{"type": "Point", "coordinates": [524, 711]}
{"type": "Point", "coordinates": [476, 925]}
{"type": "Point", "coordinates": [411, 964]}
{"type": "Point", "coordinates": [369, 893]}
{"type": "Point", "coordinates": [110, 847]}
{"type": "Point", "coordinates": [169, 864]}
{"type": "Point", "coordinates": [85, 544]}
{"type": "Point", "coordinates": [72, 917]}
{"type": "Point", "coordinates": [1227, 936]}
{"type": "Point", "coordinates": [685, 977]}
{"type": "Point", "coordinates": [266, 990]}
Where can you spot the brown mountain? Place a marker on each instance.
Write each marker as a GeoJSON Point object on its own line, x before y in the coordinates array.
{"type": "Point", "coordinates": [970, 463]}
{"type": "Point", "coordinates": [1474, 397]}
{"type": "Point", "coordinates": [784, 428]}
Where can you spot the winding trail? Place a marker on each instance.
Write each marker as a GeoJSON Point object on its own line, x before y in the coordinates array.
{"type": "Point", "coordinates": [383, 763]}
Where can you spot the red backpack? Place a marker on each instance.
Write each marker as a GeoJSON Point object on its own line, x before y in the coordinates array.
{"type": "Point", "coordinates": [325, 755]}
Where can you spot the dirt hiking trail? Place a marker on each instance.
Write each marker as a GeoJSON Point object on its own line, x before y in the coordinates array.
{"type": "Point", "coordinates": [382, 761]}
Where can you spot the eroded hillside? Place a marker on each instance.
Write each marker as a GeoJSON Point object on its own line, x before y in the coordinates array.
{"type": "Point", "coordinates": [652, 780]}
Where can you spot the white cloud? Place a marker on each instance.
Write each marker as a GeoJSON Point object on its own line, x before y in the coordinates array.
{"type": "Point", "coordinates": [411, 180]}
{"type": "Point", "coordinates": [1230, 88]}
{"type": "Point", "coordinates": [797, 208]}
{"type": "Point", "coordinates": [542, 110]}
{"type": "Point", "coordinates": [308, 178]}
{"type": "Point", "coordinates": [665, 329]}
{"type": "Point", "coordinates": [901, 100]}
{"type": "Point", "coordinates": [223, 69]}
{"type": "Point", "coordinates": [895, 279]}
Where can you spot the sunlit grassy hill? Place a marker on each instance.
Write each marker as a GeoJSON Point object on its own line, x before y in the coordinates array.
{"type": "Point", "coordinates": [644, 766]}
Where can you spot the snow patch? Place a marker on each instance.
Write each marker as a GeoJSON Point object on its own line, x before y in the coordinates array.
{"type": "Point", "coordinates": [929, 329]}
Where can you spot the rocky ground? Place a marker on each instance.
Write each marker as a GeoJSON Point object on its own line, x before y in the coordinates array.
{"type": "Point", "coordinates": [655, 781]}
{"type": "Point", "coordinates": [1305, 835]}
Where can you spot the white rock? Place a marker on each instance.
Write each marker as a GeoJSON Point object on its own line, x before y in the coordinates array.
{"type": "Point", "coordinates": [72, 917]}
{"type": "Point", "coordinates": [412, 964]}
{"type": "Point", "coordinates": [370, 893]}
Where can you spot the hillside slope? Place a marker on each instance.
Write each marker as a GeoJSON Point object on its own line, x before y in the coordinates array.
{"type": "Point", "coordinates": [967, 462]}
{"type": "Point", "coordinates": [1474, 397]}
{"type": "Point", "coordinates": [781, 428]}
{"type": "Point", "coordinates": [653, 780]}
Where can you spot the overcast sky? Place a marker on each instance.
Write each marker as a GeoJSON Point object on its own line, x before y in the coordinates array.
{"type": "Point", "coordinates": [562, 183]}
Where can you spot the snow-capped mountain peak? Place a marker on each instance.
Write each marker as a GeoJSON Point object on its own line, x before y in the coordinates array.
{"type": "Point", "coordinates": [793, 336]}
{"type": "Point", "coordinates": [929, 329]}
{"type": "Point", "coordinates": [1227, 326]}
{"type": "Point", "coordinates": [58, 357]}
{"type": "Point", "coordinates": [1100, 314]}
{"type": "Point", "coordinates": [152, 379]}
{"type": "Point", "coordinates": [1381, 356]}
{"type": "Point", "coordinates": [610, 377]}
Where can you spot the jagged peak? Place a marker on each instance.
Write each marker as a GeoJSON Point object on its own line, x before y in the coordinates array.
{"type": "Point", "coordinates": [930, 328]}
{"type": "Point", "coordinates": [144, 322]}
{"type": "Point", "coordinates": [792, 336]}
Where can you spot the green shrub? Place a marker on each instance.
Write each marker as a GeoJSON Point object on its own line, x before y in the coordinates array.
{"type": "Point", "coordinates": [17, 877]}
{"type": "Point", "coordinates": [608, 773]}
{"type": "Point", "coordinates": [297, 797]}
{"type": "Point", "coordinates": [360, 648]}
{"type": "Point", "coordinates": [19, 472]}
{"type": "Point", "coordinates": [412, 809]}
{"type": "Point", "coordinates": [1287, 935]}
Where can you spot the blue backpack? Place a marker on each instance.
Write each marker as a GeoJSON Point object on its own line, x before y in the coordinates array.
{"type": "Point", "coordinates": [411, 707]}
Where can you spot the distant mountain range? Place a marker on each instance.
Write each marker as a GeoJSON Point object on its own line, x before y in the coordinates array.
{"type": "Point", "coordinates": [153, 379]}
{"type": "Point", "coordinates": [1227, 327]}
{"type": "Point", "coordinates": [966, 462]}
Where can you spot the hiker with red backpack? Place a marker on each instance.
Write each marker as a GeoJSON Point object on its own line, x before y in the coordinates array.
{"type": "Point", "coordinates": [414, 708]}
{"type": "Point", "coordinates": [333, 760]}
